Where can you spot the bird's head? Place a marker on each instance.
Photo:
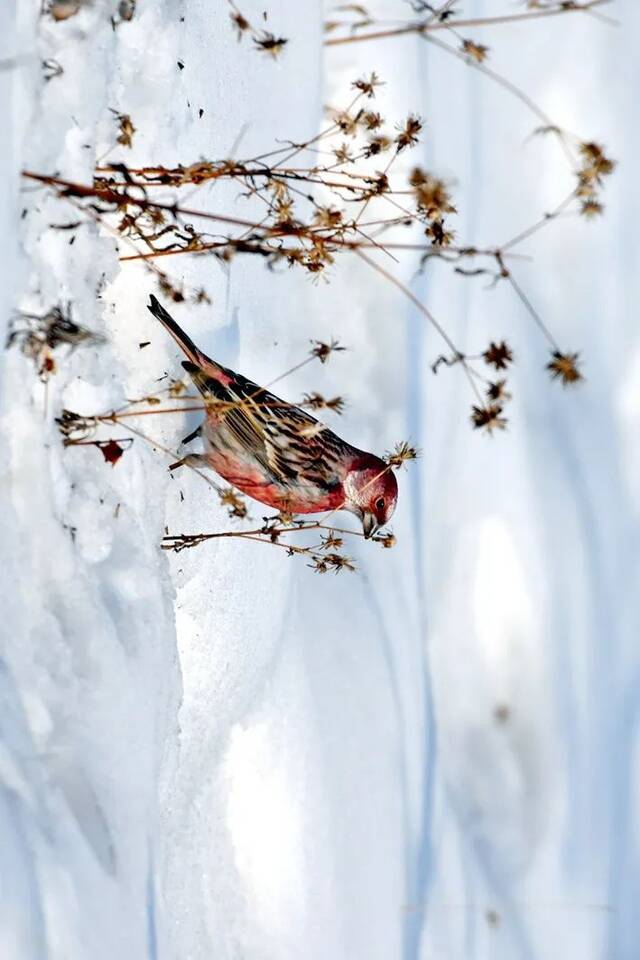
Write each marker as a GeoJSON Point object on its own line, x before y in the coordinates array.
{"type": "Point", "coordinates": [371, 491]}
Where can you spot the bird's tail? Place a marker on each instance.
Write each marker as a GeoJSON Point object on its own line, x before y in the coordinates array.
{"type": "Point", "coordinates": [184, 342]}
{"type": "Point", "coordinates": [207, 375]}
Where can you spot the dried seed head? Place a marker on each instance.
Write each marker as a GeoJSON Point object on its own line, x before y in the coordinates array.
{"type": "Point", "coordinates": [317, 402]}
{"type": "Point", "coordinates": [591, 208]}
{"type": "Point", "coordinates": [327, 217]}
{"type": "Point", "coordinates": [233, 501]}
{"type": "Point", "coordinates": [74, 427]}
{"type": "Point", "coordinates": [168, 289]}
{"type": "Point", "coordinates": [439, 236]}
{"type": "Point", "coordinates": [177, 388]}
{"type": "Point", "coordinates": [387, 540]}
{"type": "Point", "coordinates": [408, 135]}
{"type": "Point", "coordinates": [126, 129]}
{"type": "Point", "coordinates": [431, 194]}
{"type": "Point", "coordinates": [477, 51]}
{"type": "Point", "coordinates": [376, 145]}
{"type": "Point", "coordinates": [343, 153]}
{"type": "Point", "coordinates": [488, 418]}
{"type": "Point", "coordinates": [371, 120]}
{"type": "Point", "coordinates": [338, 562]}
{"type": "Point", "coordinates": [268, 43]}
{"type": "Point", "coordinates": [331, 542]}
{"type": "Point", "coordinates": [324, 350]}
{"type": "Point", "coordinates": [368, 85]}
{"type": "Point", "coordinates": [497, 391]}
{"type": "Point", "coordinates": [402, 453]}
{"type": "Point", "coordinates": [564, 367]}
{"type": "Point", "coordinates": [347, 122]}
{"type": "Point", "coordinates": [498, 355]}
{"type": "Point", "coordinates": [595, 160]}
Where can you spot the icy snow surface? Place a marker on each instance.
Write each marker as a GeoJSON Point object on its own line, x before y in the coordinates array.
{"type": "Point", "coordinates": [220, 754]}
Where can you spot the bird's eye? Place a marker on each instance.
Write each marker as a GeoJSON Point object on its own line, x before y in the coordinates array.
{"type": "Point", "coordinates": [380, 503]}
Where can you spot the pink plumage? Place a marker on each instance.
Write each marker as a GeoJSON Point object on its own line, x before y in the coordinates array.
{"type": "Point", "coordinates": [277, 453]}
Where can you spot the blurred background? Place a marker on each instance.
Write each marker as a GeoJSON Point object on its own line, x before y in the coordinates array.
{"type": "Point", "coordinates": [218, 752]}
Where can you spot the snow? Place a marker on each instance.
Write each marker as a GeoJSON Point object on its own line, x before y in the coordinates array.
{"type": "Point", "coordinates": [219, 753]}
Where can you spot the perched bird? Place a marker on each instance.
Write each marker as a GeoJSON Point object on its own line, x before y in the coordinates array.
{"type": "Point", "coordinates": [275, 452]}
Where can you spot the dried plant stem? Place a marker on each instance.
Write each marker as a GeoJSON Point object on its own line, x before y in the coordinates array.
{"type": "Point", "coordinates": [533, 313]}
{"type": "Point", "coordinates": [431, 25]}
{"type": "Point", "coordinates": [538, 225]}
{"type": "Point", "coordinates": [510, 87]}
{"type": "Point", "coordinates": [70, 189]}
{"type": "Point", "coordinates": [300, 526]}
{"type": "Point", "coordinates": [172, 454]}
{"type": "Point", "coordinates": [367, 244]}
{"type": "Point", "coordinates": [459, 357]}
{"type": "Point", "coordinates": [264, 534]}
{"type": "Point", "coordinates": [122, 203]}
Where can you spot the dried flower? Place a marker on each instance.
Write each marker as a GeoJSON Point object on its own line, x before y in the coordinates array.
{"type": "Point", "coordinates": [371, 120]}
{"type": "Point", "coordinates": [177, 388]}
{"type": "Point", "coordinates": [331, 561]}
{"type": "Point", "coordinates": [387, 540]}
{"type": "Point", "coordinates": [498, 355]}
{"type": "Point", "coordinates": [488, 418]}
{"type": "Point", "coordinates": [269, 43]}
{"type": "Point", "coordinates": [169, 289]}
{"type": "Point", "coordinates": [408, 135]}
{"type": "Point", "coordinates": [564, 367]}
{"type": "Point", "coordinates": [331, 542]}
{"type": "Point", "coordinates": [343, 153]}
{"type": "Point", "coordinates": [75, 427]}
{"type": "Point", "coordinates": [317, 402]}
{"type": "Point", "coordinates": [230, 498]}
{"type": "Point", "coordinates": [368, 85]}
{"type": "Point", "coordinates": [595, 161]}
{"type": "Point", "coordinates": [324, 350]}
{"type": "Point", "coordinates": [496, 391]}
{"type": "Point", "coordinates": [402, 453]}
{"type": "Point", "coordinates": [591, 208]}
{"type": "Point", "coordinates": [431, 194]}
{"type": "Point", "coordinates": [327, 217]}
{"type": "Point", "coordinates": [126, 128]}
{"type": "Point", "coordinates": [339, 562]}
{"type": "Point", "coordinates": [377, 145]}
{"type": "Point", "coordinates": [477, 51]}
{"type": "Point", "coordinates": [439, 236]}
{"type": "Point", "coordinates": [200, 296]}
{"type": "Point", "coordinates": [347, 122]}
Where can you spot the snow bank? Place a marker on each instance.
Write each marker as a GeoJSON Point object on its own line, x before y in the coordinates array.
{"type": "Point", "coordinates": [219, 753]}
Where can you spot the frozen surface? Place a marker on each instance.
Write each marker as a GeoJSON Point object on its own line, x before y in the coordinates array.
{"type": "Point", "coordinates": [219, 753]}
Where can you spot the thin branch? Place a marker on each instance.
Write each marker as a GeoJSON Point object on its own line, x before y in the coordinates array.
{"type": "Point", "coordinates": [424, 27]}
{"type": "Point", "coordinates": [429, 316]}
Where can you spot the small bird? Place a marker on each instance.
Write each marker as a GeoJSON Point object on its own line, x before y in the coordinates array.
{"type": "Point", "coordinates": [276, 453]}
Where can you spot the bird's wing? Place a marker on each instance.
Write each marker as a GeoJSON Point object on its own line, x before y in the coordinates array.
{"type": "Point", "coordinates": [290, 444]}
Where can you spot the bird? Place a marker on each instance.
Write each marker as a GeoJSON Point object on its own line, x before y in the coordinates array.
{"type": "Point", "coordinates": [276, 453]}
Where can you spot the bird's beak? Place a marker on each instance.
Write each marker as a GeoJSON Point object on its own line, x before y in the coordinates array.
{"type": "Point", "coordinates": [369, 524]}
